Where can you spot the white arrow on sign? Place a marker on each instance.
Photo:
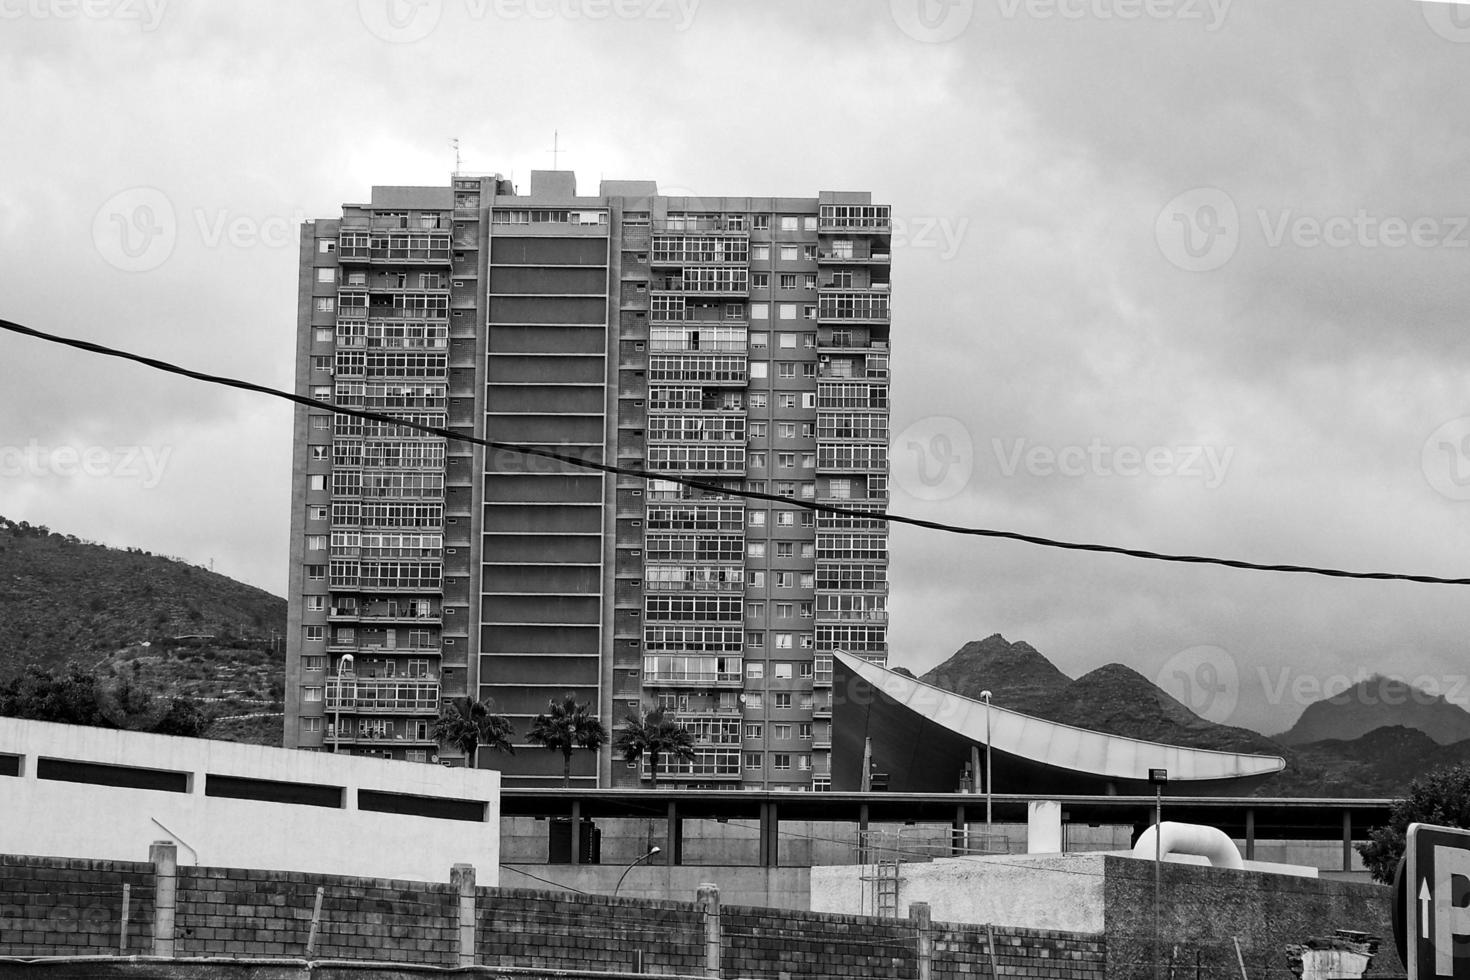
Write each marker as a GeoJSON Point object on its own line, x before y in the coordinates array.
{"type": "Point", "coordinates": [1424, 898]}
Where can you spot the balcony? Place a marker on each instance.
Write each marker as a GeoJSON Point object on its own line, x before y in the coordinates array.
{"type": "Point", "coordinates": [740, 287]}
{"type": "Point", "coordinates": [853, 305]}
{"type": "Point", "coordinates": [701, 224]}
{"type": "Point", "coordinates": [853, 257]}
{"type": "Point", "coordinates": [350, 736]}
{"type": "Point", "coordinates": [393, 695]}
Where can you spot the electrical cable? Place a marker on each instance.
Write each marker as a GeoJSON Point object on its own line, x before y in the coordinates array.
{"type": "Point", "coordinates": [646, 474]}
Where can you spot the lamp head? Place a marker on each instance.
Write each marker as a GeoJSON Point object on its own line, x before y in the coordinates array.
{"type": "Point", "coordinates": [985, 695]}
{"type": "Point", "coordinates": [655, 850]}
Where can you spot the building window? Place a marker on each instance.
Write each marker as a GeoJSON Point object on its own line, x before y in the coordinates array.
{"type": "Point", "coordinates": [324, 335]}
{"type": "Point", "coordinates": [786, 369]}
{"type": "Point", "coordinates": [785, 549]}
{"type": "Point", "coordinates": [759, 339]}
{"type": "Point", "coordinates": [783, 610]}
{"type": "Point", "coordinates": [789, 253]}
{"type": "Point", "coordinates": [785, 518]}
{"type": "Point", "coordinates": [755, 640]}
{"type": "Point", "coordinates": [316, 603]}
{"type": "Point", "coordinates": [781, 699]}
{"type": "Point", "coordinates": [780, 761]}
{"type": "Point", "coordinates": [760, 311]}
{"type": "Point", "coordinates": [809, 222]}
{"type": "Point", "coordinates": [311, 695]}
{"type": "Point", "coordinates": [781, 732]}
{"type": "Point", "coordinates": [753, 761]}
{"type": "Point", "coordinates": [809, 281]}
{"type": "Point", "coordinates": [786, 460]}
{"type": "Point", "coordinates": [806, 670]}
{"type": "Point", "coordinates": [807, 643]}
{"type": "Point", "coordinates": [760, 253]}
{"type": "Point", "coordinates": [760, 280]}
{"type": "Point", "coordinates": [326, 275]}
{"type": "Point", "coordinates": [326, 246]}
{"type": "Point", "coordinates": [787, 311]}
{"type": "Point", "coordinates": [325, 304]}
{"type": "Point", "coordinates": [787, 400]}
{"type": "Point", "coordinates": [784, 580]}
{"type": "Point", "coordinates": [316, 542]}
{"type": "Point", "coordinates": [321, 423]}
{"type": "Point", "coordinates": [316, 573]}
{"type": "Point", "coordinates": [757, 518]}
{"type": "Point", "coordinates": [788, 280]}
{"type": "Point", "coordinates": [760, 222]}
{"type": "Point", "coordinates": [319, 452]}
{"type": "Point", "coordinates": [759, 370]}
{"type": "Point", "coordinates": [788, 222]}
{"type": "Point", "coordinates": [753, 732]}
{"type": "Point", "coordinates": [805, 609]}
{"type": "Point", "coordinates": [782, 670]}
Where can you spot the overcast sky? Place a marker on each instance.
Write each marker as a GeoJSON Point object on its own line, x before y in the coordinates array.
{"type": "Point", "coordinates": [1183, 275]}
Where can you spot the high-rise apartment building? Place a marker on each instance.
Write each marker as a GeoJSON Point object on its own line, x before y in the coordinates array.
{"type": "Point", "coordinates": [741, 342]}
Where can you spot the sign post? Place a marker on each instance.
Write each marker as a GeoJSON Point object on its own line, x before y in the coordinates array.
{"type": "Point", "coordinates": [1434, 903]}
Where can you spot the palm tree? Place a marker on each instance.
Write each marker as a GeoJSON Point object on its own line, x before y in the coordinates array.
{"type": "Point", "coordinates": [564, 726]}
{"type": "Point", "coordinates": [652, 734]}
{"type": "Point", "coordinates": [468, 724]}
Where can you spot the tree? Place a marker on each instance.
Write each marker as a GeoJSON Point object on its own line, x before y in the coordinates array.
{"type": "Point", "coordinates": [69, 698]}
{"type": "Point", "coordinates": [565, 726]}
{"type": "Point", "coordinates": [468, 724]}
{"type": "Point", "coordinates": [1439, 797]}
{"type": "Point", "coordinates": [653, 734]}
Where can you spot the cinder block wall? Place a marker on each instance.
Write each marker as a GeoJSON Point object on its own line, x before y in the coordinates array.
{"type": "Point", "coordinates": [1204, 911]}
{"type": "Point", "coordinates": [230, 911]}
{"type": "Point", "coordinates": [66, 907]}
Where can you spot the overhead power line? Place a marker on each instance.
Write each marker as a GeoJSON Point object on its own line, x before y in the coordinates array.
{"type": "Point", "coordinates": [645, 474]}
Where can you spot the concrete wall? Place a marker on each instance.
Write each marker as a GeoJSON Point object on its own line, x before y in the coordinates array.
{"type": "Point", "coordinates": [67, 818]}
{"type": "Point", "coordinates": [1061, 893]}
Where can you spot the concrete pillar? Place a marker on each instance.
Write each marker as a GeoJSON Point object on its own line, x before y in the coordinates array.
{"type": "Point", "coordinates": [1250, 833]}
{"type": "Point", "coordinates": [576, 831]}
{"type": "Point", "coordinates": [674, 842]}
{"type": "Point", "coordinates": [1347, 839]}
{"type": "Point", "coordinates": [462, 876]}
{"type": "Point", "coordinates": [164, 856]}
{"type": "Point", "coordinates": [1044, 827]}
{"type": "Point", "coordinates": [919, 915]}
{"type": "Point", "coordinates": [770, 836]}
{"type": "Point", "coordinates": [708, 897]}
{"type": "Point", "coordinates": [862, 833]}
{"type": "Point", "coordinates": [957, 842]}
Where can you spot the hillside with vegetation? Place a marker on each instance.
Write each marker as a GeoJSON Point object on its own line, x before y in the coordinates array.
{"type": "Point", "coordinates": [144, 629]}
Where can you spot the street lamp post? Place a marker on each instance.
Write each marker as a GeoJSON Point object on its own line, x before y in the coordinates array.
{"type": "Point", "coordinates": [1158, 777]}
{"type": "Point", "coordinates": [345, 664]}
{"type": "Point", "coordinates": [651, 852]}
{"type": "Point", "coordinates": [985, 696]}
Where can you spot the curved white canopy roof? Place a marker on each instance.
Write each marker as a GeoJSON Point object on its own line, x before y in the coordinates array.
{"type": "Point", "coordinates": [1053, 744]}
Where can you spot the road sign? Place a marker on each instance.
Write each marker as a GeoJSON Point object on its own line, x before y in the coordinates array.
{"type": "Point", "coordinates": [1435, 902]}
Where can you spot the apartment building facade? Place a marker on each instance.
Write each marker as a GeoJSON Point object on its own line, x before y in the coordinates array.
{"type": "Point", "coordinates": [741, 343]}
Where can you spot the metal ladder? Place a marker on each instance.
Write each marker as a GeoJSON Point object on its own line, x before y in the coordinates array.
{"type": "Point", "coordinates": [885, 890]}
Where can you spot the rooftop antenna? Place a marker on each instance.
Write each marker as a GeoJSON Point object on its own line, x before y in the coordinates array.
{"type": "Point", "coordinates": [555, 150]}
{"type": "Point", "coordinates": [455, 143]}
